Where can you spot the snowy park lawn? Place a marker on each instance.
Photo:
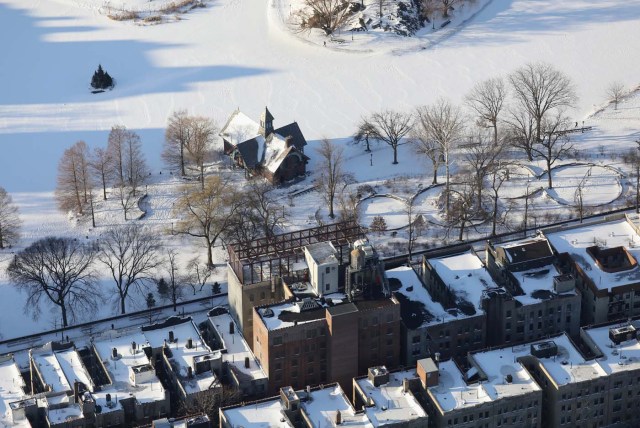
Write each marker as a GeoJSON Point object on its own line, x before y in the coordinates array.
{"type": "Point", "coordinates": [600, 185]}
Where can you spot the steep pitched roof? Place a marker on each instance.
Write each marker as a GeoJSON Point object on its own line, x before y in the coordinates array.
{"type": "Point", "coordinates": [240, 128]}
{"type": "Point", "coordinates": [292, 130]}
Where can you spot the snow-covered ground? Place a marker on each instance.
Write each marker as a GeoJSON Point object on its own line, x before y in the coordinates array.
{"type": "Point", "coordinates": [242, 53]}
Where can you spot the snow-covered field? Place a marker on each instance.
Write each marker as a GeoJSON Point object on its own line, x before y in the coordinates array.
{"type": "Point", "coordinates": [242, 53]}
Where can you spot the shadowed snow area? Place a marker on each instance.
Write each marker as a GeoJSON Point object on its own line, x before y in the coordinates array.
{"type": "Point", "coordinates": [239, 53]}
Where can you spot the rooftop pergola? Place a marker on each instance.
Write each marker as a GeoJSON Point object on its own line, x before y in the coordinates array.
{"type": "Point", "coordinates": [259, 260]}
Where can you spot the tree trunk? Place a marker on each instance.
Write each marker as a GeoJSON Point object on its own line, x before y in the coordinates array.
{"type": "Point", "coordinates": [549, 175]}
{"type": "Point", "coordinates": [104, 187]}
{"type": "Point", "coordinates": [202, 175]}
{"type": "Point", "coordinates": [435, 173]}
{"type": "Point", "coordinates": [331, 214]}
{"type": "Point", "coordinates": [479, 184]}
{"type": "Point", "coordinates": [63, 308]}
{"type": "Point", "coordinates": [637, 192]}
{"type": "Point", "coordinates": [395, 153]}
{"type": "Point", "coordinates": [1, 240]}
{"type": "Point", "coordinates": [461, 230]}
{"type": "Point", "coordinates": [122, 305]}
{"type": "Point", "coordinates": [209, 254]}
{"type": "Point", "coordinates": [495, 215]}
{"type": "Point", "coordinates": [182, 159]}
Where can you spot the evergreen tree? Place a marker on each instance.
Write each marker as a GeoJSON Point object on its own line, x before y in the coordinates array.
{"type": "Point", "coordinates": [101, 79]}
{"type": "Point", "coordinates": [163, 288]}
{"type": "Point", "coordinates": [151, 301]}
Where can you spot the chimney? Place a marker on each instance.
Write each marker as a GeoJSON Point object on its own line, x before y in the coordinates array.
{"type": "Point", "coordinates": [189, 372]}
{"type": "Point", "coordinates": [247, 363]}
{"type": "Point", "coordinates": [189, 343]}
{"type": "Point", "coordinates": [231, 327]}
{"type": "Point", "coordinates": [288, 141]}
{"type": "Point", "coordinates": [114, 353]}
{"type": "Point", "coordinates": [338, 417]}
{"type": "Point", "coordinates": [436, 359]}
{"type": "Point", "coordinates": [133, 347]}
{"type": "Point", "coordinates": [108, 398]}
{"type": "Point", "coordinates": [76, 391]}
{"type": "Point", "coordinates": [171, 336]}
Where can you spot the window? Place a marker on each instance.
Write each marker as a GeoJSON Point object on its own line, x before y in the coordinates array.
{"type": "Point", "coordinates": [277, 340]}
{"type": "Point", "coordinates": [328, 270]}
{"type": "Point", "coordinates": [327, 287]}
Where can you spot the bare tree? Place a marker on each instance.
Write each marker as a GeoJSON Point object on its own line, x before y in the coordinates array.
{"type": "Point", "coordinates": [364, 132]}
{"type": "Point", "coordinates": [128, 201]}
{"type": "Point", "coordinates": [115, 151]}
{"type": "Point", "coordinates": [177, 138]}
{"type": "Point", "coordinates": [10, 222]}
{"type": "Point", "coordinates": [207, 213]}
{"type": "Point", "coordinates": [209, 401]}
{"type": "Point", "coordinates": [448, 4]}
{"type": "Point", "coordinates": [521, 130]}
{"type": "Point", "coordinates": [58, 270]}
{"type": "Point", "coordinates": [331, 171]}
{"type": "Point", "coordinates": [462, 210]}
{"type": "Point", "coordinates": [267, 213]}
{"type": "Point", "coordinates": [498, 174]}
{"type": "Point", "coordinates": [540, 88]}
{"type": "Point", "coordinates": [74, 182]}
{"type": "Point", "coordinates": [578, 196]}
{"type": "Point", "coordinates": [428, 9]}
{"type": "Point", "coordinates": [198, 274]}
{"type": "Point", "coordinates": [101, 167]}
{"type": "Point", "coordinates": [444, 124]}
{"type": "Point", "coordinates": [425, 144]}
{"type": "Point", "coordinates": [615, 92]}
{"type": "Point", "coordinates": [555, 144]}
{"type": "Point", "coordinates": [481, 153]}
{"type": "Point", "coordinates": [390, 126]}
{"type": "Point", "coordinates": [632, 159]}
{"type": "Point", "coordinates": [327, 15]}
{"type": "Point", "coordinates": [130, 255]}
{"type": "Point", "coordinates": [348, 205]}
{"type": "Point", "coordinates": [173, 270]}
{"type": "Point", "coordinates": [487, 100]}
{"type": "Point", "coordinates": [202, 132]}
{"type": "Point", "coordinates": [135, 165]}
{"type": "Point", "coordinates": [412, 226]}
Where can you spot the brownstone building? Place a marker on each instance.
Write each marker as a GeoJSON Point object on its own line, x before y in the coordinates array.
{"type": "Point", "coordinates": [315, 341]}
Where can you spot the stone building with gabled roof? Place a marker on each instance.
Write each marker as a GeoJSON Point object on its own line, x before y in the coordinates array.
{"type": "Point", "coordinates": [259, 148]}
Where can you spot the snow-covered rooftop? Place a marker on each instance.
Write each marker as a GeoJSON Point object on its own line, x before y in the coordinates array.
{"type": "Point", "coordinates": [325, 402]}
{"type": "Point", "coordinates": [265, 414]}
{"type": "Point", "coordinates": [290, 313]}
{"type": "Point", "coordinates": [616, 358]}
{"type": "Point", "coordinates": [604, 235]}
{"type": "Point", "coordinates": [183, 356]}
{"type": "Point", "coordinates": [65, 414]}
{"type": "Point", "coordinates": [465, 275]}
{"type": "Point", "coordinates": [240, 128]}
{"type": "Point", "coordinates": [392, 403]}
{"type": "Point", "coordinates": [236, 347]}
{"type": "Point", "coordinates": [49, 368]}
{"type": "Point", "coordinates": [72, 367]}
{"type": "Point", "coordinates": [452, 392]}
{"type": "Point", "coordinates": [537, 284]}
{"type": "Point", "coordinates": [11, 384]}
{"type": "Point", "coordinates": [412, 289]}
{"type": "Point", "coordinates": [118, 369]}
{"type": "Point", "coordinates": [322, 252]}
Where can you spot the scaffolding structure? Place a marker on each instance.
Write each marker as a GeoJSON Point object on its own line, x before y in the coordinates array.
{"type": "Point", "coordinates": [262, 259]}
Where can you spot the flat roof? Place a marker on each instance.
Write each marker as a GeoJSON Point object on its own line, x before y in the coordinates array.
{"type": "Point", "coordinates": [465, 275]}
{"type": "Point", "coordinates": [392, 404]}
{"type": "Point", "coordinates": [537, 284]}
{"type": "Point", "coordinates": [608, 234]}
{"type": "Point", "coordinates": [65, 414]}
{"type": "Point", "coordinates": [236, 347]}
{"type": "Point", "coordinates": [325, 403]}
{"type": "Point", "coordinates": [118, 369]}
{"type": "Point", "coordinates": [288, 314]}
{"type": "Point", "coordinates": [73, 368]}
{"type": "Point", "coordinates": [527, 249]}
{"type": "Point", "coordinates": [424, 311]}
{"type": "Point", "coordinates": [616, 358]}
{"type": "Point", "coordinates": [265, 414]}
{"type": "Point", "coordinates": [51, 372]}
{"type": "Point", "coordinates": [11, 384]}
{"type": "Point", "coordinates": [322, 252]}
{"type": "Point", "coordinates": [452, 392]}
{"type": "Point", "coordinates": [183, 356]}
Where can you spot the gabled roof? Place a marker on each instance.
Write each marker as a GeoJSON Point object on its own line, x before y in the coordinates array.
{"type": "Point", "coordinates": [292, 130]}
{"type": "Point", "coordinates": [239, 128]}
{"type": "Point", "coordinates": [266, 115]}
